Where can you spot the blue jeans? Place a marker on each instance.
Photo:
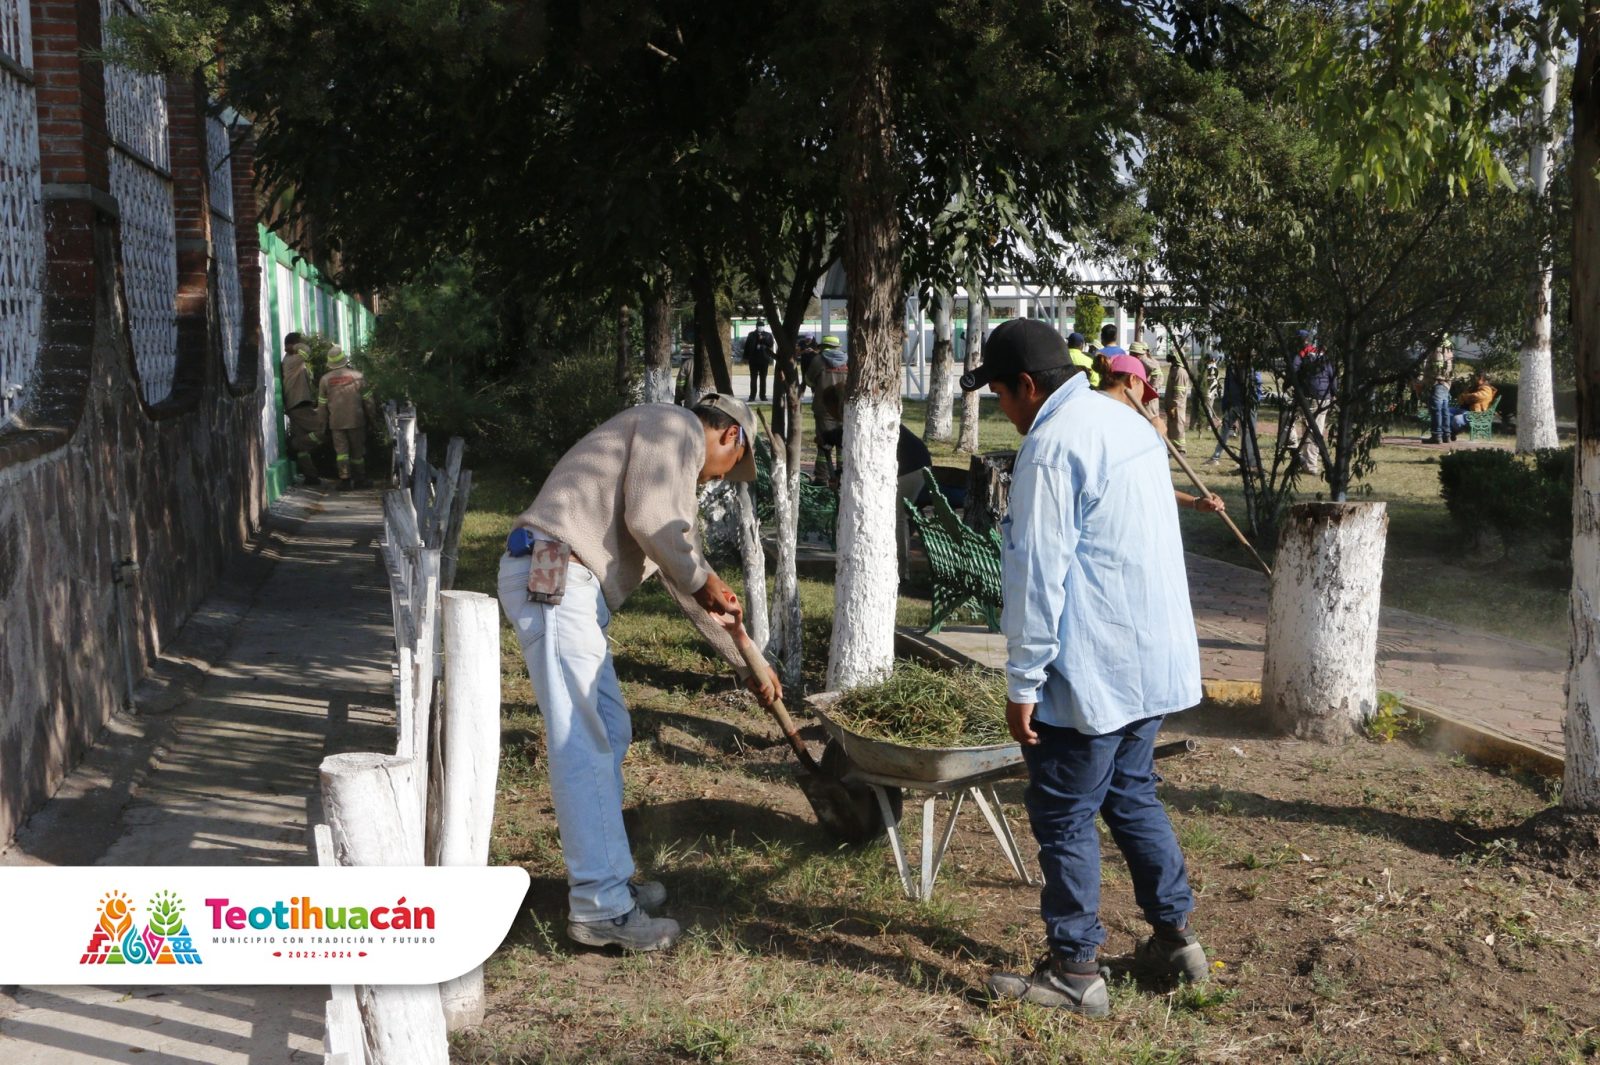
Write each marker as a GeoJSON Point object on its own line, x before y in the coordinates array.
{"type": "Point", "coordinates": [587, 731]}
{"type": "Point", "coordinates": [1072, 777]}
{"type": "Point", "coordinates": [1441, 410]}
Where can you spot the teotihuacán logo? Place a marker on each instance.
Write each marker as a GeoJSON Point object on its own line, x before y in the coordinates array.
{"type": "Point", "coordinates": [118, 940]}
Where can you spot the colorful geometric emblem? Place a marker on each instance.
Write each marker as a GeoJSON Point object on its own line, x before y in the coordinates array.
{"type": "Point", "coordinates": [117, 940]}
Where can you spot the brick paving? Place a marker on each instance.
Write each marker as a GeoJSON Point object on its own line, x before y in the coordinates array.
{"type": "Point", "coordinates": [1486, 682]}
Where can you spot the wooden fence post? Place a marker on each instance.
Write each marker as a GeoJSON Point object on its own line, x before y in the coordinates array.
{"type": "Point", "coordinates": [343, 1042]}
{"type": "Point", "coordinates": [416, 725]}
{"type": "Point", "coordinates": [371, 823]}
{"type": "Point", "coordinates": [468, 762]}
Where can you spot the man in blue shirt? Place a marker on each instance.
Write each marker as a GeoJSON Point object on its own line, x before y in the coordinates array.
{"type": "Point", "coordinates": [1100, 645]}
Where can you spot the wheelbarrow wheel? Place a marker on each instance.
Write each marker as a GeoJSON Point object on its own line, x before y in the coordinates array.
{"type": "Point", "coordinates": [862, 822]}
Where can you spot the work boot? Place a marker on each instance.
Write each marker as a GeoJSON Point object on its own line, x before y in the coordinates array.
{"type": "Point", "coordinates": [634, 930]}
{"type": "Point", "coordinates": [651, 895]}
{"type": "Point", "coordinates": [1074, 986]}
{"type": "Point", "coordinates": [1172, 953]}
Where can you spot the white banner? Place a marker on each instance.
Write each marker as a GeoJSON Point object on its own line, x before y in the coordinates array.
{"type": "Point", "coordinates": [132, 925]}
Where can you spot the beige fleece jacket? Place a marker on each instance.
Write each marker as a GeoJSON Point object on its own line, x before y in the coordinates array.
{"type": "Point", "coordinates": [625, 498]}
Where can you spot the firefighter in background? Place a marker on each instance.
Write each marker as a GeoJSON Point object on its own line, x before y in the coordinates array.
{"type": "Point", "coordinates": [307, 421]}
{"type": "Point", "coordinates": [349, 407]}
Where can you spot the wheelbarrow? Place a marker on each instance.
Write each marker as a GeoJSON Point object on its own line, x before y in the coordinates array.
{"type": "Point", "coordinates": [957, 773]}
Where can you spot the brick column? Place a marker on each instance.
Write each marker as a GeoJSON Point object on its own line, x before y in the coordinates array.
{"type": "Point", "coordinates": [191, 194]}
{"type": "Point", "coordinates": [74, 172]}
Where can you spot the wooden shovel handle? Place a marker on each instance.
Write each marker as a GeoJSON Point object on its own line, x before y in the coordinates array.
{"type": "Point", "coordinates": [756, 662]}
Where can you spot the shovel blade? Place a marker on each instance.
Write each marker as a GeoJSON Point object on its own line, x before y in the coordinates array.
{"type": "Point", "coordinates": [848, 811]}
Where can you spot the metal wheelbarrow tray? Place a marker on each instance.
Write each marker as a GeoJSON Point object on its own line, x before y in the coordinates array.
{"type": "Point", "coordinates": [923, 768]}
{"type": "Point", "coordinates": [957, 772]}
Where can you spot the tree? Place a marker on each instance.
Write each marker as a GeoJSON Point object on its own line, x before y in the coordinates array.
{"type": "Point", "coordinates": [1536, 401]}
{"type": "Point", "coordinates": [937, 419]}
{"type": "Point", "coordinates": [1384, 150]}
{"type": "Point", "coordinates": [1252, 234]}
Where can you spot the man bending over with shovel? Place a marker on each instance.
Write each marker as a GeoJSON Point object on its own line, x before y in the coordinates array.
{"type": "Point", "coordinates": [1100, 644]}
{"type": "Point", "coordinates": [618, 507]}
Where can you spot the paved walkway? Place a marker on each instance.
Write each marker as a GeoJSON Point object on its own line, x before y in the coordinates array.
{"type": "Point", "coordinates": [286, 663]}
{"type": "Point", "coordinates": [1491, 683]}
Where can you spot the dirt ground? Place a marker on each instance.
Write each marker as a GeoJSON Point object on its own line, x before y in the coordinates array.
{"type": "Point", "coordinates": [1365, 903]}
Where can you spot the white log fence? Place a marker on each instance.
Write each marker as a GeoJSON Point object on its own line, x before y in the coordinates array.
{"type": "Point", "coordinates": [431, 801]}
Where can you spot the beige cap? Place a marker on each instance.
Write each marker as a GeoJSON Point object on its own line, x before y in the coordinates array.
{"type": "Point", "coordinates": [740, 412]}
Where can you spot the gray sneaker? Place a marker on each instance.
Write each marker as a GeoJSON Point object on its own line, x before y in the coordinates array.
{"type": "Point", "coordinates": [634, 930]}
{"type": "Point", "coordinates": [1056, 985]}
{"type": "Point", "coordinates": [1175, 955]}
{"type": "Point", "coordinates": [651, 895]}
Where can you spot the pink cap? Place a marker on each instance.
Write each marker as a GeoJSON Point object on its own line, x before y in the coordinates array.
{"type": "Point", "coordinates": [1131, 364]}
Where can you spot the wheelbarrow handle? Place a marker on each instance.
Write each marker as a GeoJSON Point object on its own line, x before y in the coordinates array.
{"type": "Point", "coordinates": [1176, 747]}
{"type": "Point", "coordinates": [756, 662]}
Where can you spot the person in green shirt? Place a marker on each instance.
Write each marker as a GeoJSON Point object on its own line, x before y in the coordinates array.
{"type": "Point", "coordinates": [1079, 357]}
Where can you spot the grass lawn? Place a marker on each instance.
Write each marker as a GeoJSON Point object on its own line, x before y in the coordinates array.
{"type": "Point", "coordinates": [1354, 915]}
{"type": "Point", "coordinates": [1428, 567]}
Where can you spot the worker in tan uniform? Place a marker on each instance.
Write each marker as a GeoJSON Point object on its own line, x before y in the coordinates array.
{"type": "Point", "coordinates": [307, 421]}
{"type": "Point", "coordinates": [343, 392]}
{"type": "Point", "coordinates": [618, 508]}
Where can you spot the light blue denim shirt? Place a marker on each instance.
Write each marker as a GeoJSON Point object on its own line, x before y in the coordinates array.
{"type": "Point", "coordinates": [1099, 632]}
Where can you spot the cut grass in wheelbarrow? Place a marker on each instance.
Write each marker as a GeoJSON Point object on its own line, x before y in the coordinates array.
{"type": "Point", "coordinates": [921, 707]}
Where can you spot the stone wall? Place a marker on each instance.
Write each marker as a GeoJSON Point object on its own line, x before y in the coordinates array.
{"type": "Point", "coordinates": [90, 474]}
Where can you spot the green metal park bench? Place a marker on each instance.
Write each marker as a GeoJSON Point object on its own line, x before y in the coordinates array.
{"type": "Point", "coordinates": [819, 504]}
{"type": "Point", "coordinates": [965, 563]}
{"type": "Point", "coordinates": [1480, 423]}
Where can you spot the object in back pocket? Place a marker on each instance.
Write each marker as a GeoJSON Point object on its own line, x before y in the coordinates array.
{"type": "Point", "coordinates": [547, 576]}
{"type": "Point", "coordinates": [520, 543]}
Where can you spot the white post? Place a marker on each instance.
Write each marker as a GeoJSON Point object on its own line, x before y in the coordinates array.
{"type": "Point", "coordinates": [1320, 680]}
{"type": "Point", "coordinates": [368, 800]}
{"type": "Point", "coordinates": [469, 761]}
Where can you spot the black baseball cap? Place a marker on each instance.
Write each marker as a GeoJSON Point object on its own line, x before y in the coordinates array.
{"type": "Point", "coordinates": [1022, 345]}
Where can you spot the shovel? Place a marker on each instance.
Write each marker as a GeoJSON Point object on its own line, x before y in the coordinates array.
{"type": "Point", "coordinates": [849, 811]}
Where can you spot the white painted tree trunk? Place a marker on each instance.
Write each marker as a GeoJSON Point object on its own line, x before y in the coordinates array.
{"type": "Point", "coordinates": [1536, 401]}
{"type": "Point", "coordinates": [659, 381]}
{"type": "Point", "coordinates": [1320, 680]}
{"type": "Point", "coordinates": [754, 561]}
{"type": "Point", "coordinates": [941, 413]}
{"type": "Point", "coordinates": [977, 325]}
{"type": "Point", "coordinates": [784, 629]}
{"type": "Point", "coordinates": [370, 804]}
{"type": "Point", "coordinates": [719, 520]}
{"type": "Point", "coordinates": [1581, 786]}
{"type": "Point", "coordinates": [659, 384]}
{"type": "Point", "coordinates": [469, 760]}
{"type": "Point", "coordinates": [868, 574]}
{"type": "Point", "coordinates": [867, 589]}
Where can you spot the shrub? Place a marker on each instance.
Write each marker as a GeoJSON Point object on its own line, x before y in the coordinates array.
{"type": "Point", "coordinates": [1518, 498]}
{"type": "Point", "coordinates": [522, 395]}
{"type": "Point", "coordinates": [1088, 313]}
